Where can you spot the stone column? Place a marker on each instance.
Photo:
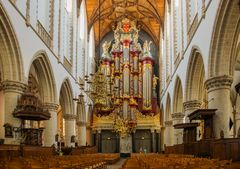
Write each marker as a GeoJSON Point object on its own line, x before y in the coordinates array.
{"type": "Point", "coordinates": [158, 141]}
{"type": "Point", "coordinates": [189, 107]}
{"type": "Point", "coordinates": [133, 142]}
{"type": "Point", "coordinates": [177, 134]}
{"type": "Point", "coordinates": [99, 140]}
{"type": "Point", "coordinates": [50, 125]}
{"type": "Point", "coordinates": [10, 91]}
{"type": "Point", "coordinates": [168, 133]}
{"type": "Point", "coordinates": [69, 128]}
{"type": "Point", "coordinates": [81, 133]}
{"type": "Point", "coordinates": [219, 97]}
{"type": "Point", "coordinates": [153, 141]}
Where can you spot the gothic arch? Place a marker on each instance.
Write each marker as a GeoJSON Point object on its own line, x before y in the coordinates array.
{"type": "Point", "coordinates": [195, 77]}
{"type": "Point", "coordinates": [178, 96]}
{"type": "Point", "coordinates": [168, 108]}
{"type": "Point", "coordinates": [41, 69]}
{"type": "Point", "coordinates": [11, 64]}
{"type": "Point", "coordinates": [226, 29]}
{"type": "Point", "coordinates": [66, 98]}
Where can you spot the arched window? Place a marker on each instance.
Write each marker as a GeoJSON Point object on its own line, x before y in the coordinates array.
{"type": "Point", "coordinates": [177, 30]}
{"type": "Point", "coordinates": [68, 30]}
{"type": "Point", "coordinates": [168, 43]}
{"type": "Point", "coordinates": [43, 13]}
{"type": "Point", "coordinates": [91, 52]}
{"type": "Point", "coordinates": [82, 22]}
{"type": "Point", "coordinates": [83, 40]}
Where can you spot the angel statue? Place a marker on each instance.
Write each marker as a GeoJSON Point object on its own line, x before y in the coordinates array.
{"type": "Point", "coordinates": [105, 47]}
{"type": "Point", "coordinates": [155, 79]}
{"type": "Point", "coordinates": [146, 48]}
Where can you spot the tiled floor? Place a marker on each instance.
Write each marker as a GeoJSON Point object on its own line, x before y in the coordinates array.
{"type": "Point", "coordinates": [117, 165]}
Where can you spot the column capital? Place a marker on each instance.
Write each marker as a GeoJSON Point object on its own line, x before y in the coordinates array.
{"type": "Point", "coordinates": [81, 123]}
{"type": "Point", "coordinates": [168, 123]}
{"type": "Point", "coordinates": [178, 115]}
{"type": "Point", "coordinates": [69, 116]}
{"type": "Point", "coordinates": [13, 86]}
{"type": "Point", "coordinates": [218, 82]}
{"type": "Point", "coordinates": [51, 106]}
{"type": "Point", "coordinates": [192, 104]}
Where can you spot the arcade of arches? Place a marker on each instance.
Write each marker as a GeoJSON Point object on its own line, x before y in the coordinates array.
{"type": "Point", "coordinates": [121, 76]}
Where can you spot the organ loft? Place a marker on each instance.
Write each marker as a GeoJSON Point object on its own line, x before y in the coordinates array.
{"type": "Point", "coordinates": [127, 106]}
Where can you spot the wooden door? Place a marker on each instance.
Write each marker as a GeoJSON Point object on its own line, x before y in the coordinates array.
{"type": "Point", "coordinates": [143, 141]}
{"type": "Point", "coordinates": [109, 142]}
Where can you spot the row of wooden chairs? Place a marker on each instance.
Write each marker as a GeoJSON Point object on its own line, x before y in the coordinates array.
{"type": "Point", "coordinates": [85, 161]}
{"type": "Point", "coordinates": [172, 161]}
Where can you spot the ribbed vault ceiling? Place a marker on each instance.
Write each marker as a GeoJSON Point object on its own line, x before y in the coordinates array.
{"type": "Point", "coordinates": [149, 15]}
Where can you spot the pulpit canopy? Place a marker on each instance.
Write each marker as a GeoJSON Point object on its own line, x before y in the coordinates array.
{"type": "Point", "coordinates": [201, 114]}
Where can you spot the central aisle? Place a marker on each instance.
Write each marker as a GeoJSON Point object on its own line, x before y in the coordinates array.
{"type": "Point", "coordinates": [117, 165]}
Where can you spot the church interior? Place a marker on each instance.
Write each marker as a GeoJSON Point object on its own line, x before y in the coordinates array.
{"type": "Point", "coordinates": [119, 84]}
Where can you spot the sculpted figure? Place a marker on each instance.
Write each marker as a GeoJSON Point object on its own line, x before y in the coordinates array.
{"type": "Point", "coordinates": [155, 79]}
{"type": "Point", "coordinates": [147, 48]}
{"type": "Point", "coordinates": [105, 47]}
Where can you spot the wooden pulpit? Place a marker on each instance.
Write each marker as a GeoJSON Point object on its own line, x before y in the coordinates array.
{"type": "Point", "coordinates": [189, 131]}
{"type": "Point", "coordinates": [207, 116]}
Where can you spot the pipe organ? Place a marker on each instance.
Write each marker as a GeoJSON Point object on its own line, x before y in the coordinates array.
{"type": "Point", "coordinates": [128, 67]}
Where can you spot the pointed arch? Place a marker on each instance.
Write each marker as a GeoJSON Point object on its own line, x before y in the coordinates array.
{"type": "Point", "coordinates": [178, 96]}
{"type": "Point", "coordinates": [41, 69]}
{"type": "Point", "coordinates": [11, 63]}
{"type": "Point", "coordinates": [168, 108]}
{"type": "Point", "coordinates": [226, 30]}
{"type": "Point", "coordinates": [195, 77]}
{"type": "Point", "coordinates": [66, 98]}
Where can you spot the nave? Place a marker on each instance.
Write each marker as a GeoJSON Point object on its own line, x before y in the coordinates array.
{"type": "Point", "coordinates": [119, 84]}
